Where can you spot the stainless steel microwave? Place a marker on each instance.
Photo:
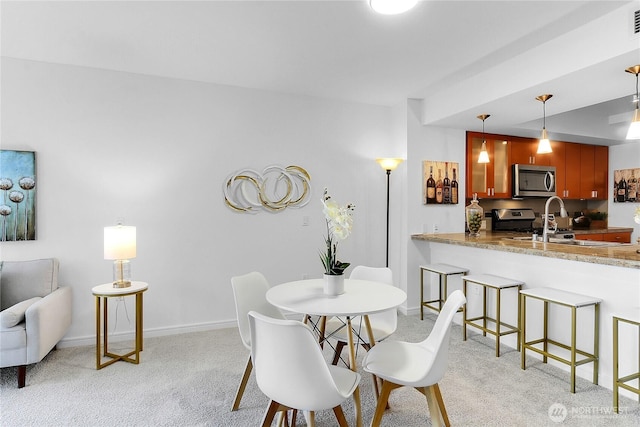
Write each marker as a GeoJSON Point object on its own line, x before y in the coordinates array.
{"type": "Point", "coordinates": [533, 181]}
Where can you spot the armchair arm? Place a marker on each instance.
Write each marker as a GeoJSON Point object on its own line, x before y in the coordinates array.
{"type": "Point", "coordinates": [47, 321]}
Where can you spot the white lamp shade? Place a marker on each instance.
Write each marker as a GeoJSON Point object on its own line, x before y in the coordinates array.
{"type": "Point", "coordinates": [119, 242]}
{"type": "Point", "coordinates": [389, 164]}
{"type": "Point", "coordinates": [392, 7]}
{"type": "Point", "coordinates": [544, 146]}
{"type": "Point", "coordinates": [484, 155]}
{"type": "Point", "coordinates": [634, 128]}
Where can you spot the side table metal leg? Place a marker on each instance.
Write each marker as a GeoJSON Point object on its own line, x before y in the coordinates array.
{"type": "Point", "coordinates": [97, 333]}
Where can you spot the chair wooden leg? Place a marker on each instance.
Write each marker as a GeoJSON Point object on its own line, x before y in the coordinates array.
{"type": "Point", "coordinates": [443, 410]}
{"type": "Point", "coordinates": [311, 418]}
{"type": "Point", "coordinates": [338, 352]}
{"type": "Point", "coordinates": [22, 375]}
{"type": "Point", "coordinates": [270, 413]}
{"type": "Point", "coordinates": [243, 384]}
{"type": "Point", "coordinates": [434, 410]}
{"type": "Point", "coordinates": [342, 421]}
{"type": "Point", "coordinates": [387, 387]}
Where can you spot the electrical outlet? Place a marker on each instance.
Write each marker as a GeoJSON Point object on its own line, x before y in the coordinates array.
{"type": "Point", "coordinates": [305, 221]}
{"type": "Point", "coordinates": [435, 228]}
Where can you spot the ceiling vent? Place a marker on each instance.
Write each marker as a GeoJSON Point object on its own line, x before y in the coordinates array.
{"type": "Point", "coordinates": [636, 22]}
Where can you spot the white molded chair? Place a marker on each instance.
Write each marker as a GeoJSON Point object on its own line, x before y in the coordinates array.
{"type": "Point", "coordinates": [249, 293]}
{"type": "Point", "coordinates": [420, 365]}
{"type": "Point", "coordinates": [291, 370]}
{"type": "Point", "coordinates": [382, 324]}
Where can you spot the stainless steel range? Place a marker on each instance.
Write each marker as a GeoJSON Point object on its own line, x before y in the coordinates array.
{"type": "Point", "coordinates": [522, 220]}
{"type": "Point", "coordinates": [512, 219]}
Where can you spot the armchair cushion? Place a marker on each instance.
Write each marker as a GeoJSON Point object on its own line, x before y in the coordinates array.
{"type": "Point", "coordinates": [22, 280]}
{"type": "Point", "coordinates": [13, 315]}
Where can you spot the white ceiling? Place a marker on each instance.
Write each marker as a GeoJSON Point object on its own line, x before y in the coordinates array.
{"type": "Point", "coordinates": [343, 50]}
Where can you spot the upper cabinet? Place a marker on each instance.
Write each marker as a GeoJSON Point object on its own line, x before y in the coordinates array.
{"type": "Point", "coordinates": [594, 161]}
{"type": "Point", "coordinates": [524, 151]}
{"type": "Point", "coordinates": [568, 170]}
{"type": "Point", "coordinates": [581, 170]}
{"type": "Point", "coordinates": [488, 180]}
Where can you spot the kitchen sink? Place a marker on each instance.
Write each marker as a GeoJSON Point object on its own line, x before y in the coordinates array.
{"type": "Point", "coordinates": [574, 242]}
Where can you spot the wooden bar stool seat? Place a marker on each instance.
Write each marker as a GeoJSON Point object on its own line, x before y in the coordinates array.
{"type": "Point", "coordinates": [574, 302]}
{"type": "Point", "coordinates": [444, 271]}
{"type": "Point", "coordinates": [632, 317]}
{"type": "Point", "coordinates": [499, 284]}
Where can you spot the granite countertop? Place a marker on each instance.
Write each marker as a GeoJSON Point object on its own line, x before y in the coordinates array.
{"type": "Point", "coordinates": [624, 255]}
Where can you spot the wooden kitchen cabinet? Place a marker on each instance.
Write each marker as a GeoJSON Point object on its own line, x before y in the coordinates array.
{"type": "Point", "coordinates": [601, 171]}
{"type": "Point", "coordinates": [594, 163]}
{"type": "Point", "coordinates": [568, 170]}
{"type": "Point", "coordinates": [493, 179]}
{"type": "Point", "coordinates": [623, 237]}
{"type": "Point", "coordinates": [525, 151]}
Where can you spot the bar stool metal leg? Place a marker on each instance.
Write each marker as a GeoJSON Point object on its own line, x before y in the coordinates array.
{"type": "Point", "coordinates": [573, 349]}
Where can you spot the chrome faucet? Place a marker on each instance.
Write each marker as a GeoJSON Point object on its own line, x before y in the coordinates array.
{"type": "Point", "coordinates": [545, 224]}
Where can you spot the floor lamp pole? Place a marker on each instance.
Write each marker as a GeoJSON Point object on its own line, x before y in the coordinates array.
{"type": "Point", "coordinates": [388, 176]}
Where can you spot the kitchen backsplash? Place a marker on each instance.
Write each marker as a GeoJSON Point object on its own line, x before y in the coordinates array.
{"type": "Point", "coordinates": [574, 207]}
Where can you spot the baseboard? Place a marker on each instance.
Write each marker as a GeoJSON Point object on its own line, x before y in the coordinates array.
{"type": "Point", "coordinates": [149, 333]}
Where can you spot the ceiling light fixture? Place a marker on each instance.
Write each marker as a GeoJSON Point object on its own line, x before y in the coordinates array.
{"type": "Point", "coordinates": [392, 7]}
{"type": "Point", "coordinates": [484, 156]}
{"type": "Point", "coordinates": [544, 146]}
{"type": "Point", "coordinates": [634, 127]}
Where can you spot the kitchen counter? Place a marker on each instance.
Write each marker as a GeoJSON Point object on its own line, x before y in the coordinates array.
{"type": "Point", "coordinates": [610, 273]}
{"type": "Point", "coordinates": [620, 256]}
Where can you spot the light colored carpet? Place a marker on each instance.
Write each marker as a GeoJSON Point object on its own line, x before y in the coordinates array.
{"type": "Point", "coordinates": [191, 379]}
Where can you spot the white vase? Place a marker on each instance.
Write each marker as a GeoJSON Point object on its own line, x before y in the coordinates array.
{"type": "Point", "coordinates": [333, 284]}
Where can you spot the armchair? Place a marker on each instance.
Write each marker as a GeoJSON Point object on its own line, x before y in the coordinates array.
{"type": "Point", "coordinates": [36, 312]}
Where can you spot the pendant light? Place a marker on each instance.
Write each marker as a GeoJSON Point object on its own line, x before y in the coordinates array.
{"type": "Point", "coordinates": [392, 7]}
{"type": "Point", "coordinates": [544, 146]}
{"type": "Point", "coordinates": [484, 156]}
{"type": "Point", "coordinates": [634, 127]}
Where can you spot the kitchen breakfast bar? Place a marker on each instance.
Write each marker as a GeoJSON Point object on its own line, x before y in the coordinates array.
{"type": "Point", "coordinates": [609, 273]}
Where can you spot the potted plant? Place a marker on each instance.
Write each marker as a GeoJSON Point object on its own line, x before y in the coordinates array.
{"type": "Point", "coordinates": [339, 221]}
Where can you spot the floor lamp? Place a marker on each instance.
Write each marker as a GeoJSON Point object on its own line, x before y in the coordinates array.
{"type": "Point", "coordinates": [388, 164]}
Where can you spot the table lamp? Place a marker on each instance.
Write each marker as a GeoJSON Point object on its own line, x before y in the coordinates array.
{"type": "Point", "coordinates": [120, 246]}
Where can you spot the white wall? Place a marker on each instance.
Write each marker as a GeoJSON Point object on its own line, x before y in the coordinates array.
{"type": "Point", "coordinates": [438, 144]}
{"type": "Point", "coordinates": [625, 156]}
{"type": "Point", "coordinates": [156, 151]}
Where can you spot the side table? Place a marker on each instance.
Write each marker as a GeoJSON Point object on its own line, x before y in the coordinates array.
{"type": "Point", "coordinates": [102, 293]}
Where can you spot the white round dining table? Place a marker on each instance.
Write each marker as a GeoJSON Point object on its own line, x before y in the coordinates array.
{"type": "Point", "coordinates": [360, 298]}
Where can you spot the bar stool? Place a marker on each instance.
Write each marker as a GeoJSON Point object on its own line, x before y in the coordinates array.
{"type": "Point", "coordinates": [573, 301]}
{"type": "Point", "coordinates": [488, 281]}
{"type": "Point", "coordinates": [444, 271]}
{"type": "Point", "coordinates": [633, 318]}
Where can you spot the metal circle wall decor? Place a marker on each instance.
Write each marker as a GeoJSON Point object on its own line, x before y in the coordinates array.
{"type": "Point", "coordinates": [275, 189]}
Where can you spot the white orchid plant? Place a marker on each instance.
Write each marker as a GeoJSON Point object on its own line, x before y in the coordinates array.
{"type": "Point", "coordinates": [339, 223]}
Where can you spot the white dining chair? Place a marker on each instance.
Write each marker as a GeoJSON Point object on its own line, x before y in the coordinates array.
{"type": "Point", "coordinates": [249, 293]}
{"type": "Point", "coordinates": [382, 324]}
{"type": "Point", "coordinates": [292, 373]}
{"type": "Point", "coordinates": [420, 365]}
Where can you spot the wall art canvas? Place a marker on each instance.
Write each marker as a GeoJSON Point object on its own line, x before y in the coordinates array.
{"type": "Point", "coordinates": [625, 185]}
{"type": "Point", "coordinates": [440, 183]}
{"type": "Point", "coordinates": [18, 204]}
